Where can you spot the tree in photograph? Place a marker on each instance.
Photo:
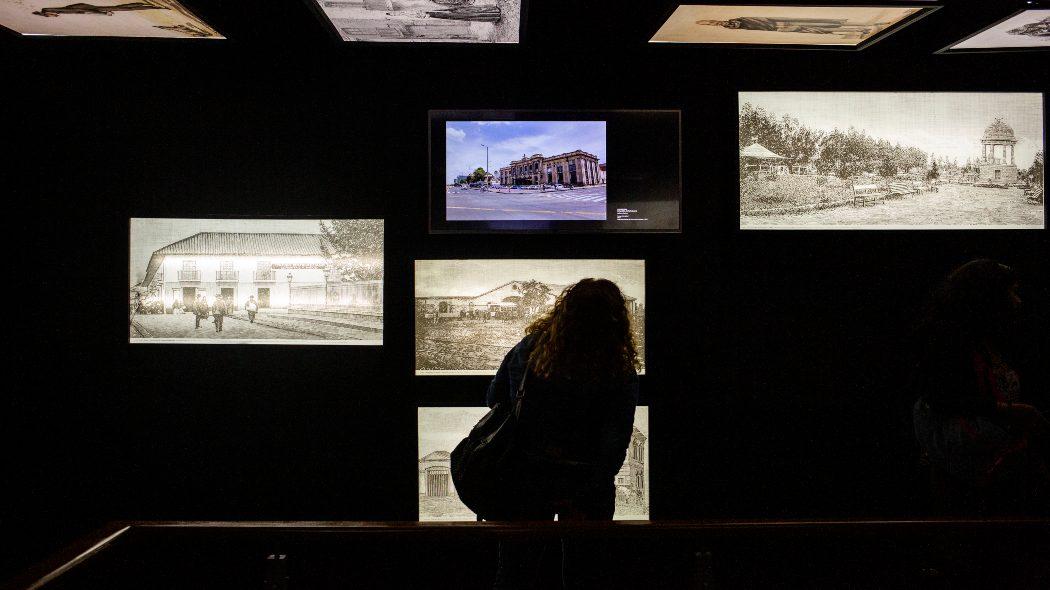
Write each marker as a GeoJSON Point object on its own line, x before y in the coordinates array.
{"type": "Point", "coordinates": [1035, 171]}
{"type": "Point", "coordinates": [477, 175]}
{"type": "Point", "coordinates": [354, 248]}
{"type": "Point", "coordinates": [934, 172]}
{"type": "Point", "coordinates": [758, 126]}
{"type": "Point", "coordinates": [534, 294]}
{"type": "Point", "coordinates": [845, 154]}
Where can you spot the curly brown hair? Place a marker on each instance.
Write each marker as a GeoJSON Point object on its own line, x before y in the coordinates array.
{"type": "Point", "coordinates": [586, 336]}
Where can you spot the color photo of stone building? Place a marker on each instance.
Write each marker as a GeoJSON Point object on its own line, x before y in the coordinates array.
{"type": "Point", "coordinates": [576, 168]}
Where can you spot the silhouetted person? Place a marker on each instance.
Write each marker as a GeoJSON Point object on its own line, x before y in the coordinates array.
{"type": "Point", "coordinates": [971, 420]}
{"type": "Point", "coordinates": [580, 395]}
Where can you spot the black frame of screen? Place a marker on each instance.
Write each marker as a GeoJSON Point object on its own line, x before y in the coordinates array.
{"type": "Point", "coordinates": [437, 224]}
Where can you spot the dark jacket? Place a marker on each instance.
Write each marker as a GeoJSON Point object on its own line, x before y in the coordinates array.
{"type": "Point", "coordinates": [584, 429]}
{"type": "Point", "coordinates": [950, 379]}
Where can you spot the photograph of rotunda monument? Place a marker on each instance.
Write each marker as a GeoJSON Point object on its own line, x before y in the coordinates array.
{"type": "Point", "coordinates": [891, 160]}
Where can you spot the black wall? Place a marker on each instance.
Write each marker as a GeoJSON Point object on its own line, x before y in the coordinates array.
{"type": "Point", "coordinates": [777, 361]}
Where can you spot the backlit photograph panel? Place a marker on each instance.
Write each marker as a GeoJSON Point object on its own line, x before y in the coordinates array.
{"type": "Point", "coordinates": [104, 18]}
{"type": "Point", "coordinates": [828, 26]}
{"type": "Point", "coordinates": [441, 428]}
{"type": "Point", "coordinates": [1028, 29]}
{"type": "Point", "coordinates": [441, 21]}
{"type": "Point", "coordinates": [891, 160]}
{"type": "Point", "coordinates": [256, 281]}
{"type": "Point", "coordinates": [470, 313]}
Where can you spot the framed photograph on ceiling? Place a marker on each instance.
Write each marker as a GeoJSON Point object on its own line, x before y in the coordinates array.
{"type": "Point", "coordinates": [423, 21]}
{"type": "Point", "coordinates": [843, 27]}
{"type": "Point", "coordinates": [165, 19]}
{"type": "Point", "coordinates": [1025, 30]}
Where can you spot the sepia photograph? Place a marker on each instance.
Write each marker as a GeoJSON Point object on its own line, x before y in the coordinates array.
{"type": "Point", "coordinates": [470, 313]}
{"type": "Point", "coordinates": [559, 174]}
{"type": "Point", "coordinates": [112, 18]}
{"type": "Point", "coordinates": [256, 281]}
{"type": "Point", "coordinates": [1028, 29]}
{"type": "Point", "coordinates": [891, 160]}
{"type": "Point", "coordinates": [845, 26]}
{"type": "Point", "coordinates": [442, 428]}
{"type": "Point", "coordinates": [448, 21]}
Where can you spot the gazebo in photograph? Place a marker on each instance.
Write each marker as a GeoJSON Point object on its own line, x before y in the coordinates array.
{"type": "Point", "coordinates": [758, 158]}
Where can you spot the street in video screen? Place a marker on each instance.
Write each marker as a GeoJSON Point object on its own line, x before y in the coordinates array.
{"type": "Point", "coordinates": [256, 281]}
{"type": "Point", "coordinates": [470, 313]}
{"type": "Point", "coordinates": [540, 170]}
{"type": "Point", "coordinates": [441, 429]}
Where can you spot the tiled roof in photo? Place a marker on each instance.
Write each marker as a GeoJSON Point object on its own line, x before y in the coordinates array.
{"type": "Point", "coordinates": [246, 244]}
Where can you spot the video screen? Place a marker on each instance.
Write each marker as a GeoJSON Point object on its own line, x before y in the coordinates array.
{"type": "Point", "coordinates": [440, 429]}
{"type": "Point", "coordinates": [470, 313]}
{"type": "Point", "coordinates": [544, 171]}
{"type": "Point", "coordinates": [891, 160]}
{"type": "Point", "coordinates": [562, 178]}
{"type": "Point", "coordinates": [255, 281]}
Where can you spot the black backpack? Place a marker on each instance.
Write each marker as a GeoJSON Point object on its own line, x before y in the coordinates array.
{"type": "Point", "coordinates": [482, 463]}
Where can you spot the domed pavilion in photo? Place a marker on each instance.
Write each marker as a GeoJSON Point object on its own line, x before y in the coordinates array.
{"type": "Point", "coordinates": [997, 164]}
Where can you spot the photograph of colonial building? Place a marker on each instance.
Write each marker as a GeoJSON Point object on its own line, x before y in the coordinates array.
{"type": "Point", "coordinates": [845, 26]}
{"type": "Point", "coordinates": [104, 18]}
{"type": "Point", "coordinates": [441, 428]}
{"type": "Point", "coordinates": [490, 176]}
{"type": "Point", "coordinates": [469, 313]}
{"type": "Point", "coordinates": [447, 21]}
{"type": "Point", "coordinates": [256, 281]}
{"type": "Point", "coordinates": [891, 160]}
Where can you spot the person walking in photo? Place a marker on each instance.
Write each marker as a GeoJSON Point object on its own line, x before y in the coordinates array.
{"type": "Point", "coordinates": [252, 307]}
{"type": "Point", "coordinates": [218, 311]}
{"type": "Point", "coordinates": [200, 310]}
{"type": "Point", "coordinates": [577, 369]}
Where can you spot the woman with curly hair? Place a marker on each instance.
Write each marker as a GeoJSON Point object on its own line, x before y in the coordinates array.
{"type": "Point", "coordinates": [579, 366]}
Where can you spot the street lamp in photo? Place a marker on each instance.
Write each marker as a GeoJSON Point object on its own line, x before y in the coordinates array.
{"type": "Point", "coordinates": [486, 158]}
{"type": "Point", "coordinates": [289, 277]}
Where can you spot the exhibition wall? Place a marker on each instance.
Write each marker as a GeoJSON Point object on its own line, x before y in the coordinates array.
{"type": "Point", "coordinates": [777, 362]}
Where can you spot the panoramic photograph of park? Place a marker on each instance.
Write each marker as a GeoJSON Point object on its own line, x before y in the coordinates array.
{"type": "Point", "coordinates": [256, 281]}
{"type": "Point", "coordinates": [891, 160]}
{"type": "Point", "coordinates": [441, 428]}
{"type": "Point", "coordinates": [525, 170]}
{"type": "Point", "coordinates": [470, 313]}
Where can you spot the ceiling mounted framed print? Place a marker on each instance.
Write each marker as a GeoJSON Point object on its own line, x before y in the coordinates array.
{"type": "Point", "coordinates": [104, 18]}
{"type": "Point", "coordinates": [1026, 30]}
{"type": "Point", "coordinates": [424, 21]}
{"type": "Point", "coordinates": [780, 26]}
